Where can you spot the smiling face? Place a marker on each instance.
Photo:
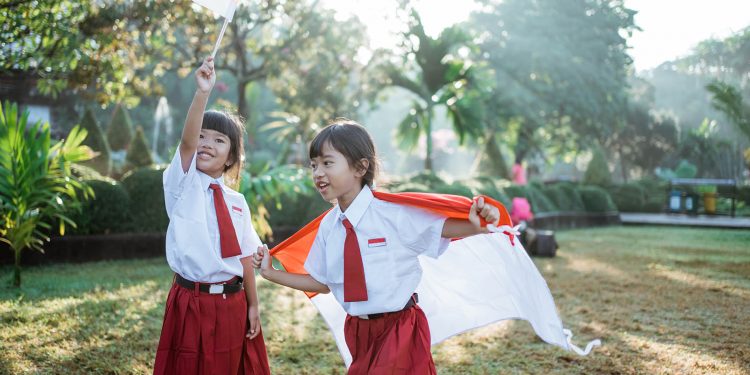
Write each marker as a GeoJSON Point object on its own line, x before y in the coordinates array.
{"type": "Point", "coordinates": [334, 178]}
{"type": "Point", "coordinates": [213, 153]}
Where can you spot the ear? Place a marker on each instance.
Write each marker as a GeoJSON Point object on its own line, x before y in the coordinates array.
{"type": "Point", "coordinates": [364, 164]}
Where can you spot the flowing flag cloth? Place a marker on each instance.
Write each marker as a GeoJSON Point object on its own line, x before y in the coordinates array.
{"type": "Point", "coordinates": [223, 8]}
{"type": "Point", "coordinates": [479, 280]}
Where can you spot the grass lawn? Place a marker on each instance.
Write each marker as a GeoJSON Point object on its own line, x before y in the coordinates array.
{"type": "Point", "coordinates": [663, 301]}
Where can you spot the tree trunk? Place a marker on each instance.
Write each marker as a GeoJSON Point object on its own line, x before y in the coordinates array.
{"type": "Point", "coordinates": [17, 269]}
{"type": "Point", "coordinates": [428, 141]}
{"type": "Point", "coordinates": [244, 110]}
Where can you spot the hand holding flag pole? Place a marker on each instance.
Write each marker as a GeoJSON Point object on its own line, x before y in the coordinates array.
{"type": "Point", "coordinates": [224, 8]}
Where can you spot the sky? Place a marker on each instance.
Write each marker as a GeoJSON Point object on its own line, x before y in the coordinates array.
{"type": "Point", "coordinates": [666, 34]}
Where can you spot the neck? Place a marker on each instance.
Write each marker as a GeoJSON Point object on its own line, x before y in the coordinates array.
{"type": "Point", "coordinates": [346, 199]}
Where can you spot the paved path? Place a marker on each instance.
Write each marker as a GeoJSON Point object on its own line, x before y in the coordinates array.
{"type": "Point", "coordinates": [686, 220]}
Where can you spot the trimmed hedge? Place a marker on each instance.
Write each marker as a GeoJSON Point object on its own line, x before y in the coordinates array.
{"type": "Point", "coordinates": [95, 139]}
{"type": "Point", "coordinates": [108, 212]}
{"type": "Point", "coordinates": [144, 186]}
{"type": "Point", "coordinates": [597, 172]}
{"type": "Point", "coordinates": [629, 197]}
{"type": "Point", "coordinates": [596, 199]}
{"type": "Point", "coordinates": [120, 129]}
{"type": "Point", "coordinates": [139, 154]}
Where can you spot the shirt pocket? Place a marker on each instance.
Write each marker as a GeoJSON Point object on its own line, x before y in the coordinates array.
{"type": "Point", "coordinates": [378, 261]}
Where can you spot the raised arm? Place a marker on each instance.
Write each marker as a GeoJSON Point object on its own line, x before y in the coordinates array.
{"type": "Point", "coordinates": [305, 283]}
{"type": "Point", "coordinates": [205, 77]}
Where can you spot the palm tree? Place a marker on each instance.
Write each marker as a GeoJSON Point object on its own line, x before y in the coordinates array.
{"type": "Point", "coordinates": [442, 78]}
{"type": "Point", "coordinates": [728, 100]}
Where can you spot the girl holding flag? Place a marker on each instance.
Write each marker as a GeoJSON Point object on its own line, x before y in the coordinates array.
{"type": "Point", "coordinates": [211, 321]}
{"type": "Point", "coordinates": [366, 252]}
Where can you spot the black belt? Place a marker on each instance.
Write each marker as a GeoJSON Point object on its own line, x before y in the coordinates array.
{"type": "Point", "coordinates": [233, 286]}
{"type": "Point", "coordinates": [412, 301]}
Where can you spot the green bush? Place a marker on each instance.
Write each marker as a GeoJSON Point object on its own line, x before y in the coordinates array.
{"type": "Point", "coordinates": [573, 201]}
{"type": "Point", "coordinates": [428, 179]}
{"type": "Point", "coordinates": [139, 154]}
{"type": "Point", "coordinates": [743, 194]}
{"type": "Point", "coordinates": [539, 201]}
{"type": "Point", "coordinates": [144, 186]}
{"type": "Point", "coordinates": [296, 210]}
{"type": "Point", "coordinates": [629, 198]}
{"type": "Point", "coordinates": [597, 172]}
{"type": "Point", "coordinates": [596, 199]}
{"type": "Point", "coordinates": [514, 191]}
{"type": "Point", "coordinates": [559, 197]}
{"type": "Point", "coordinates": [95, 140]}
{"type": "Point", "coordinates": [107, 212]}
{"type": "Point", "coordinates": [120, 130]}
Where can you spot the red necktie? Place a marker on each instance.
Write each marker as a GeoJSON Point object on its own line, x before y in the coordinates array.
{"type": "Point", "coordinates": [355, 289]}
{"type": "Point", "coordinates": [227, 236]}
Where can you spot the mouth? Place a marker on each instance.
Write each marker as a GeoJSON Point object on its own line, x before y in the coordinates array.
{"type": "Point", "coordinates": [322, 186]}
{"type": "Point", "coordinates": [204, 155]}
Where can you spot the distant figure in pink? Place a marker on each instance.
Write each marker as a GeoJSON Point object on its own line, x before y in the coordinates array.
{"type": "Point", "coordinates": [519, 173]}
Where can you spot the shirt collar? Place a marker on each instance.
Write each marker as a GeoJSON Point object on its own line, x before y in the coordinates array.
{"type": "Point", "coordinates": [208, 180]}
{"type": "Point", "coordinates": [357, 209]}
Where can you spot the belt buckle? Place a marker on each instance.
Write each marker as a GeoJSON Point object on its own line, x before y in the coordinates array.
{"type": "Point", "coordinates": [216, 289]}
{"type": "Point", "coordinates": [365, 317]}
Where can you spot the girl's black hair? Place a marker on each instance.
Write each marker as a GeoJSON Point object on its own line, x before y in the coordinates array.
{"type": "Point", "coordinates": [233, 127]}
{"type": "Point", "coordinates": [353, 141]}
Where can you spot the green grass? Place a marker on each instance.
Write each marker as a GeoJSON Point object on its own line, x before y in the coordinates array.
{"type": "Point", "coordinates": [663, 301]}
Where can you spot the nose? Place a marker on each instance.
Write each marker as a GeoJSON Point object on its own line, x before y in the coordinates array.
{"type": "Point", "coordinates": [318, 172]}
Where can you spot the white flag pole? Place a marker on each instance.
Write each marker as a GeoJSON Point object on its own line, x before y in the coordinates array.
{"type": "Point", "coordinates": [221, 35]}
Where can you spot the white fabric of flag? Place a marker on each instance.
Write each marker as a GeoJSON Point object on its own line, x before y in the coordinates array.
{"type": "Point", "coordinates": [224, 8]}
{"type": "Point", "coordinates": [479, 280]}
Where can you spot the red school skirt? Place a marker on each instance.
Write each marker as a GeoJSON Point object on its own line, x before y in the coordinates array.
{"type": "Point", "coordinates": [397, 343]}
{"type": "Point", "coordinates": [205, 334]}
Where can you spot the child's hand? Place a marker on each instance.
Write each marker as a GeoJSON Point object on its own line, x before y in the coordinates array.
{"type": "Point", "coordinates": [205, 76]}
{"type": "Point", "coordinates": [262, 259]}
{"type": "Point", "coordinates": [488, 212]}
{"type": "Point", "coordinates": [253, 316]}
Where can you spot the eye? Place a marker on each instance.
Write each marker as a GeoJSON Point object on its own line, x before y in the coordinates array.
{"type": "Point", "coordinates": [201, 136]}
{"type": "Point", "coordinates": [312, 165]}
{"type": "Point", "coordinates": [327, 163]}
{"type": "Point", "coordinates": [220, 140]}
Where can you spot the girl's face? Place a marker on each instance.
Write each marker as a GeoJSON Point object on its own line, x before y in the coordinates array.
{"type": "Point", "coordinates": [335, 178]}
{"type": "Point", "coordinates": [213, 152]}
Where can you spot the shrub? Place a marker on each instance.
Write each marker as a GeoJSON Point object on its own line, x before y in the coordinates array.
{"type": "Point", "coordinates": [120, 130]}
{"type": "Point", "coordinates": [144, 186]}
{"type": "Point", "coordinates": [107, 212]}
{"type": "Point", "coordinates": [558, 196]}
{"type": "Point", "coordinates": [573, 201]}
{"type": "Point", "coordinates": [629, 198]}
{"type": "Point", "coordinates": [296, 210]}
{"type": "Point", "coordinates": [514, 191]}
{"type": "Point", "coordinates": [597, 172]}
{"type": "Point", "coordinates": [138, 154]}
{"type": "Point", "coordinates": [596, 199]}
{"type": "Point", "coordinates": [539, 201]}
{"type": "Point", "coordinates": [95, 140]}
{"type": "Point", "coordinates": [429, 179]}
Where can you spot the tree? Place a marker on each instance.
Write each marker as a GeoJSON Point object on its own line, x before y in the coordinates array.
{"type": "Point", "coordinates": [728, 100]}
{"type": "Point", "coordinates": [597, 172]}
{"type": "Point", "coordinates": [436, 74]}
{"type": "Point", "coordinates": [95, 140]}
{"type": "Point", "coordinates": [120, 130]}
{"type": "Point", "coordinates": [327, 83]}
{"type": "Point", "coordinates": [138, 154]}
{"type": "Point", "coordinates": [37, 188]}
{"type": "Point", "coordinates": [112, 53]}
{"type": "Point", "coordinates": [560, 66]}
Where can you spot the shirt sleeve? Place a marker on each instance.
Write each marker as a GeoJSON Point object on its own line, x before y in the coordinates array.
{"type": "Point", "coordinates": [250, 239]}
{"type": "Point", "coordinates": [315, 264]}
{"type": "Point", "coordinates": [174, 180]}
{"type": "Point", "coordinates": [421, 231]}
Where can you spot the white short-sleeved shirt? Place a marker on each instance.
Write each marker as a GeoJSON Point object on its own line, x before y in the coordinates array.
{"type": "Point", "coordinates": [391, 237]}
{"type": "Point", "coordinates": [193, 247]}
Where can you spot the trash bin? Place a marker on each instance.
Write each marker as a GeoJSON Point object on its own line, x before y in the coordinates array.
{"type": "Point", "coordinates": [691, 203]}
{"type": "Point", "coordinates": [675, 201]}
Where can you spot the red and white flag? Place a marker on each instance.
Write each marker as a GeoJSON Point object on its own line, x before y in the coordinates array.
{"type": "Point", "coordinates": [478, 280]}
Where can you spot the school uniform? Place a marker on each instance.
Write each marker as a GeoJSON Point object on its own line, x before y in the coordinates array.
{"type": "Point", "coordinates": [382, 335]}
{"type": "Point", "coordinates": [204, 326]}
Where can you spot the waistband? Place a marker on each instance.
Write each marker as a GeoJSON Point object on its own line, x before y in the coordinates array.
{"type": "Point", "coordinates": [412, 301]}
{"type": "Point", "coordinates": [232, 286]}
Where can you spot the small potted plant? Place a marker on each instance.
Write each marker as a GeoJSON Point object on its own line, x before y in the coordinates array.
{"type": "Point", "coordinates": [709, 198]}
